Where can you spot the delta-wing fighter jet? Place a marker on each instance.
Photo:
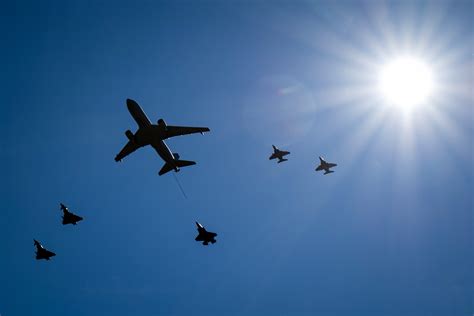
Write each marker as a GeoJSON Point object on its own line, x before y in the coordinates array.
{"type": "Point", "coordinates": [324, 165]}
{"type": "Point", "coordinates": [41, 252]}
{"type": "Point", "coordinates": [154, 135]}
{"type": "Point", "coordinates": [277, 153]}
{"type": "Point", "coordinates": [205, 236]}
{"type": "Point", "coordinates": [69, 217]}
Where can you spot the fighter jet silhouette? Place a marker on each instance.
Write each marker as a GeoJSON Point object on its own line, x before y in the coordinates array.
{"type": "Point", "coordinates": [69, 217]}
{"type": "Point", "coordinates": [155, 135]}
{"type": "Point", "coordinates": [277, 153]}
{"type": "Point", "coordinates": [41, 252]}
{"type": "Point", "coordinates": [324, 165]}
{"type": "Point", "coordinates": [205, 236]}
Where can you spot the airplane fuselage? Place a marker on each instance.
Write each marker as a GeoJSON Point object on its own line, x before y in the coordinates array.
{"type": "Point", "coordinates": [153, 135]}
{"type": "Point", "coordinates": [280, 154]}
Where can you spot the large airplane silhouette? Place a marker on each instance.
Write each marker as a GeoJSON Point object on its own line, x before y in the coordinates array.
{"type": "Point", "coordinates": [154, 135]}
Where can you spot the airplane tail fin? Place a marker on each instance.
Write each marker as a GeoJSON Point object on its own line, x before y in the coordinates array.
{"type": "Point", "coordinates": [321, 159]}
{"type": "Point", "coordinates": [179, 163]}
{"type": "Point", "coordinates": [274, 147]}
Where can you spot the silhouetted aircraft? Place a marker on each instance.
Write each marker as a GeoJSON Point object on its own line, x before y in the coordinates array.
{"type": "Point", "coordinates": [41, 252]}
{"type": "Point", "coordinates": [324, 165]}
{"type": "Point", "coordinates": [154, 135]}
{"type": "Point", "coordinates": [205, 236]}
{"type": "Point", "coordinates": [68, 217]}
{"type": "Point", "coordinates": [277, 153]}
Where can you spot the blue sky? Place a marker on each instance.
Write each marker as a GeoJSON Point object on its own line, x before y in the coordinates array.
{"type": "Point", "coordinates": [389, 233]}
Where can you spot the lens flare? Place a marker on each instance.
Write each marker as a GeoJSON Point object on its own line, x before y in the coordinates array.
{"type": "Point", "coordinates": [406, 82]}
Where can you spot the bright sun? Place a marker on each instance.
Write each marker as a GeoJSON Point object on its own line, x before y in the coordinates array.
{"type": "Point", "coordinates": [406, 82]}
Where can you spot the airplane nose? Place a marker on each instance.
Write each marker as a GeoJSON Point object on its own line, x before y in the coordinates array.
{"type": "Point", "coordinates": [131, 103]}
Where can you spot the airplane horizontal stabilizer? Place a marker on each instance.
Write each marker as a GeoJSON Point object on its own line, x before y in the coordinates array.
{"type": "Point", "coordinates": [166, 168]}
{"type": "Point", "coordinates": [179, 163]}
{"type": "Point", "coordinates": [184, 163]}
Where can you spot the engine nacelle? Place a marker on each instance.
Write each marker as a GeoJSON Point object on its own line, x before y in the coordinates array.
{"type": "Point", "coordinates": [130, 135]}
{"type": "Point", "coordinates": [162, 123]}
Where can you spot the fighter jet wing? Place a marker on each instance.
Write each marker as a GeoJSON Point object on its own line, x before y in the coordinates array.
{"type": "Point", "coordinates": [330, 165]}
{"type": "Point", "coordinates": [49, 253]}
{"type": "Point", "coordinates": [172, 131]}
{"type": "Point", "coordinates": [319, 168]}
{"type": "Point", "coordinates": [199, 238]}
{"type": "Point", "coordinates": [129, 148]}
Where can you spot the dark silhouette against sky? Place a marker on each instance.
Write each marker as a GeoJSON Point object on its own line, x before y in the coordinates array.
{"type": "Point", "coordinates": [388, 233]}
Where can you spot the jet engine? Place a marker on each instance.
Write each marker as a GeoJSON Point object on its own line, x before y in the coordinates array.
{"type": "Point", "coordinates": [130, 135]}
{"type": "Point", "coordinates": [162, 123]}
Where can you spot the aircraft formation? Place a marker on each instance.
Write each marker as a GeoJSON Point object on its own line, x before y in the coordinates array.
{"type": "Point", "coordinates": [155, 136]}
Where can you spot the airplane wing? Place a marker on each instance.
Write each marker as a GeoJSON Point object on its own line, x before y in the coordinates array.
{"type": "Point", "coordinates": [319, 168]}
{"type": "Point", "coordinates": [129, 148]}
{"type": "Point", "coordinates": [272, 157]}
{"type": "Point", "coordinates": [172, 131]}
{"type": "Point", "coordinates": [330, 165]}
{"type": "Point", "coordinates": [77, 218]}
{"type": "Point", "coordinates": [199, 238]}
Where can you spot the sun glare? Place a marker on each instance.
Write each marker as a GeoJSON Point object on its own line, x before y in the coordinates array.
{"type": "Point", "coordinates": [406, 82]}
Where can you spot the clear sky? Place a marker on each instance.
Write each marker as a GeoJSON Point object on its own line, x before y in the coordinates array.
{"type": "Point", "coordinates": [390, 233]}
